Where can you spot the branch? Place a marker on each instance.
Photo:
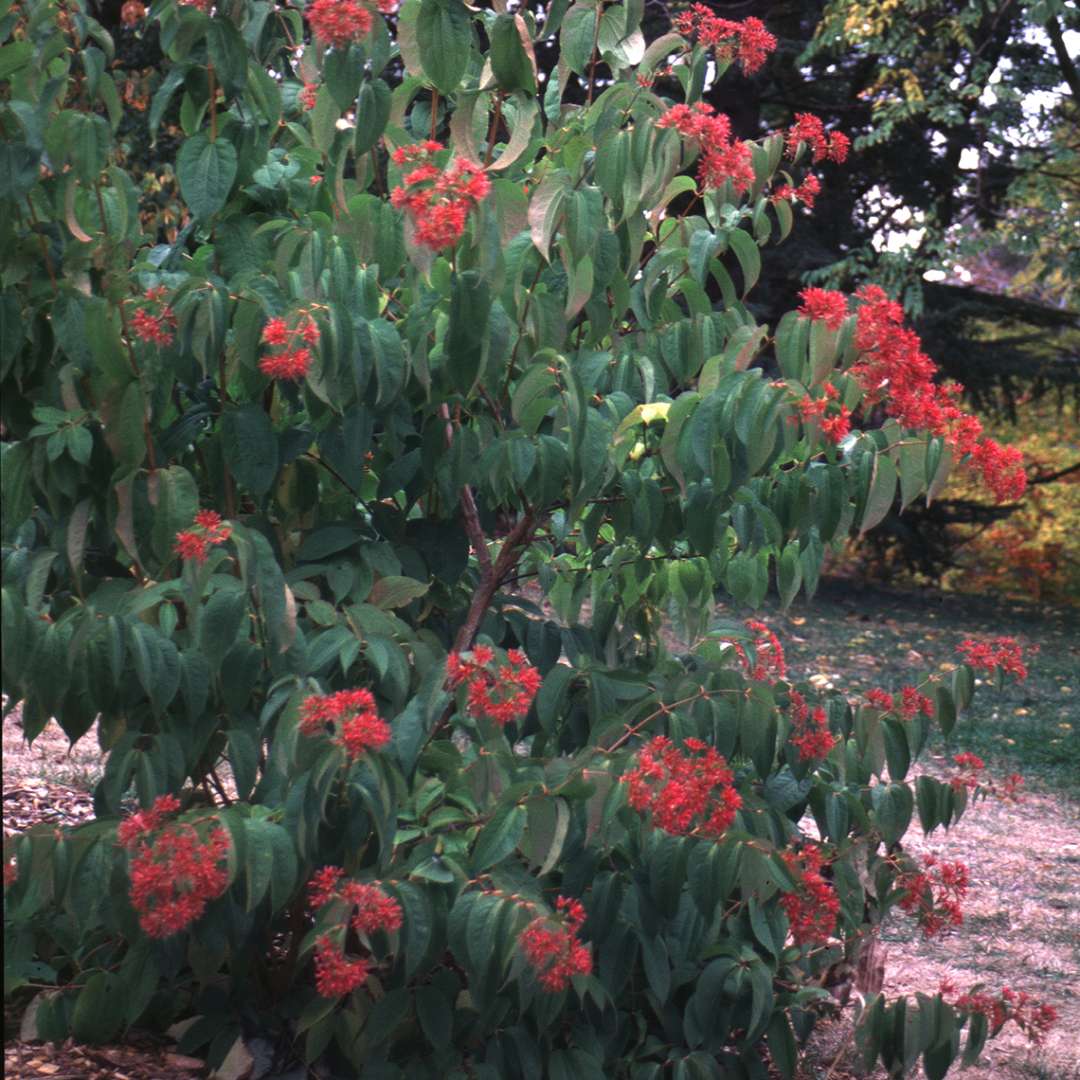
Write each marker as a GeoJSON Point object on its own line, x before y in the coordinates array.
{"type": "Point", "coordinates": [492, 579]}
{"type": "Point", "coordinates": [1051, 477]}
{"type": "Point", "coordinates": [1065, 62]}
{"type": "Point", "coordinates": [469, 512]}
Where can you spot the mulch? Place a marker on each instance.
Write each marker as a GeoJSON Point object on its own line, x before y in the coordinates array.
{"type": "Point", "coordinates": [139, 1059]}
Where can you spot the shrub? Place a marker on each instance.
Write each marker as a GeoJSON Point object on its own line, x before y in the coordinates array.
{"type": "Point", "coordinates": [434, 326]}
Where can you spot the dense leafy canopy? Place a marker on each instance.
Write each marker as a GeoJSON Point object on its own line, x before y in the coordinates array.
{"type": "Point", "coordinates": [435, 323]}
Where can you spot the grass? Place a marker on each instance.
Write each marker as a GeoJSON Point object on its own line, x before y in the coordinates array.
{"type": "Point", "coordinates": [858, 637]}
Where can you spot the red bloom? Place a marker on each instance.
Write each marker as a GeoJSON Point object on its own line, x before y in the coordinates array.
{"type": "Point", "coordinates": [839, 146]}
{"type": "Point", "coordinates": [732, 162]}
{"type": "Point", "coordinates": [934, 895]}
{"type": "Point", "coordinates": [721, 158]}
{"type": "Point", "coordinates": [1002, 469]}
{"type": "Point", "coordinates": [1005, 653]}
{"type": "Point", "coordinates": [437, 202]}
{"type": "Point", "coordinates": [196, 543]}
{"type": "Point", "coordinates": [769, 662]}
{"type": "Point", "coordinates": [912, 703]}
{"type": "Point", "coordinates": [276, 331]}
{"type": "Point", "coordinates": [501, 693]}
{"type": "Point", "coordinates": [175, 876]}
{"type": "Point", "coordinates": [350, 715]}
{"type": "Point", "coordinates": [307, 98]}
{"type": "Point", "coordinates": [190, 545]}
{"type": "Point", "coordinates": [11, 872]}
{"type": "Point", "coordinates": [827, 305]}
{"type": "Point", "coordinates": [339, 22]}
{"type": "Point", "coordinates": [1034, 1018]}
{"type": "Point", "coordinates": [143, 822]}
{"type": "Point", "coordinates": [810, 130]}
{"type": "Point", "coordinates": [880, 699]}
{"type": "Point", "coordinates": [748, 41]}
{"type": "Point", "coordinates": [684, 792]}
{"type": "Point", "coordinates": [837, 427]}
{"type": "Point", "coordinates": [894, 369]}
{"type": "Point", "coordinates": [373, 909]}
{"type": "Point", "coordinates": [151, 327]}
{"type": "Point", "coordinates": [323, 886]}
{"type": "Point", "coordinates": [970, 767]}
{"type": "Point", "coordinates": [813, 908]}
{"type": "Point", "coordinates": [290, 366]}
{"type": "Point", "coordinates": [810, 733]}
{"type": "Point", "coordinates": [336, 973]}
{"type": "Point", "coordinates": [551, 946]}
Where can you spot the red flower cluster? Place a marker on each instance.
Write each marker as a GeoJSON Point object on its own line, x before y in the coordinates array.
{"type": "Point", "coordinates": [11, 872]}
{"type": "Point", "coordinates": [1032, 1017]}
{"type": "Point", "coordinates": [907, 706]}
{"type": "Point", "coordinates": [308, 96]}
{"type": "Point", "coordinates": [293, 361]}
{"type": "Point", "coordinates": [806, 192]}
{"type": "Point", "coordinates": [835, 427]}
{"type": "Point", "coordinates": [823, 147]}
{"type": "Point", "coordinates": [813, 909]}
{"type": "Point", "coordinates": [769, 663]}
{"type": "Point", "coordinates": [970, 774]}
{"type": "Point", "coordinates": [722, 158]}
{"type": "Point", "coordinates": [826, 305]}
{"type": "Point", "coordinates": [350, 716]}
{"type": "Point", "coordinates": [894, 369]}
{"type": "Point", "coordinates": [196, 543]}
{"type": "Point", "coordinates": [553, 949]}
{"type": "Point", "coordinates": [748, 41]}
{"type": "Point", "coordinates": [969, 771]}
{"type": "Point", "coordinates": [438, 202]}
{"type": "Point", "coordinates": [339, 22]}
{"type": "Point", "coordinates": [683, 792]}
{"type": "Point", "coordinates": [501, 693]}
{"type": "Point", "coordinates": [810, 733]}
{"type": "Point", "coordinates": [934, 895]}
{"type": "Point", "coordinates": [156, 322]}
{"type": "Point", "coordinates": [1005, 653]}
{"type": "Point", "coordinates": [174, 876]}
{"type": "Point", "coordinates": [371, 908]}
{"type": "Point", "coordinates": [336, 973]}
{"type": "Point", "coordinates": [145, 822]}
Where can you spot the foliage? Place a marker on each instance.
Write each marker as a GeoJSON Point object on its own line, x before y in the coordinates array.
{"type": "Point", "coordinates": [268, 489]}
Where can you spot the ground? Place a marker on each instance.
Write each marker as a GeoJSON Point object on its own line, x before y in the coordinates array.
{"type": "Point", "coordinates": [1022, 925]}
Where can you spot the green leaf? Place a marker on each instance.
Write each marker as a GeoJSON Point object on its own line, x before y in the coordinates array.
{"type": "Point", "coordinates": [395, 591]}
{"type": "Point", "coordinates": [435, 1014]}
{"type": "Point", "coordinates": [499, 836]}
{"type": "Point", "coordinates": [789, 574]}
{"type": "Point", "coordinates": [220, 622]}
{"type": "Point", "coordinates": [99, 1009]}
{"type": "Point", "coordinates": [444, 39]}
{"type": "Point", "coordinates": [229, 54]}
{"type": "Point", "coordinates": [512, 61]}
{"type": "Point", "coordinates": [545, 835]}
{"type": "Point", "coordinates": [18, 169]}
{"type": "Point", "coordinates": [12, 331]}
{"type": "Point", "coordinates": [879, 498]}
{"type": "Point", "coordinates": [372, 114]}
{"type": "Point", "coordinates": [749, 256]}
{"type": "Point", "coordinates": [577, 37]}
{"type": "Point", "coordinates": [206, 171]}
{"type": "Point", "coordinates": [782, 1048]}
{"type": "Point", "coordinates": [470, 306]}
{"type": "Point", "coordinates": [249, 447]}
